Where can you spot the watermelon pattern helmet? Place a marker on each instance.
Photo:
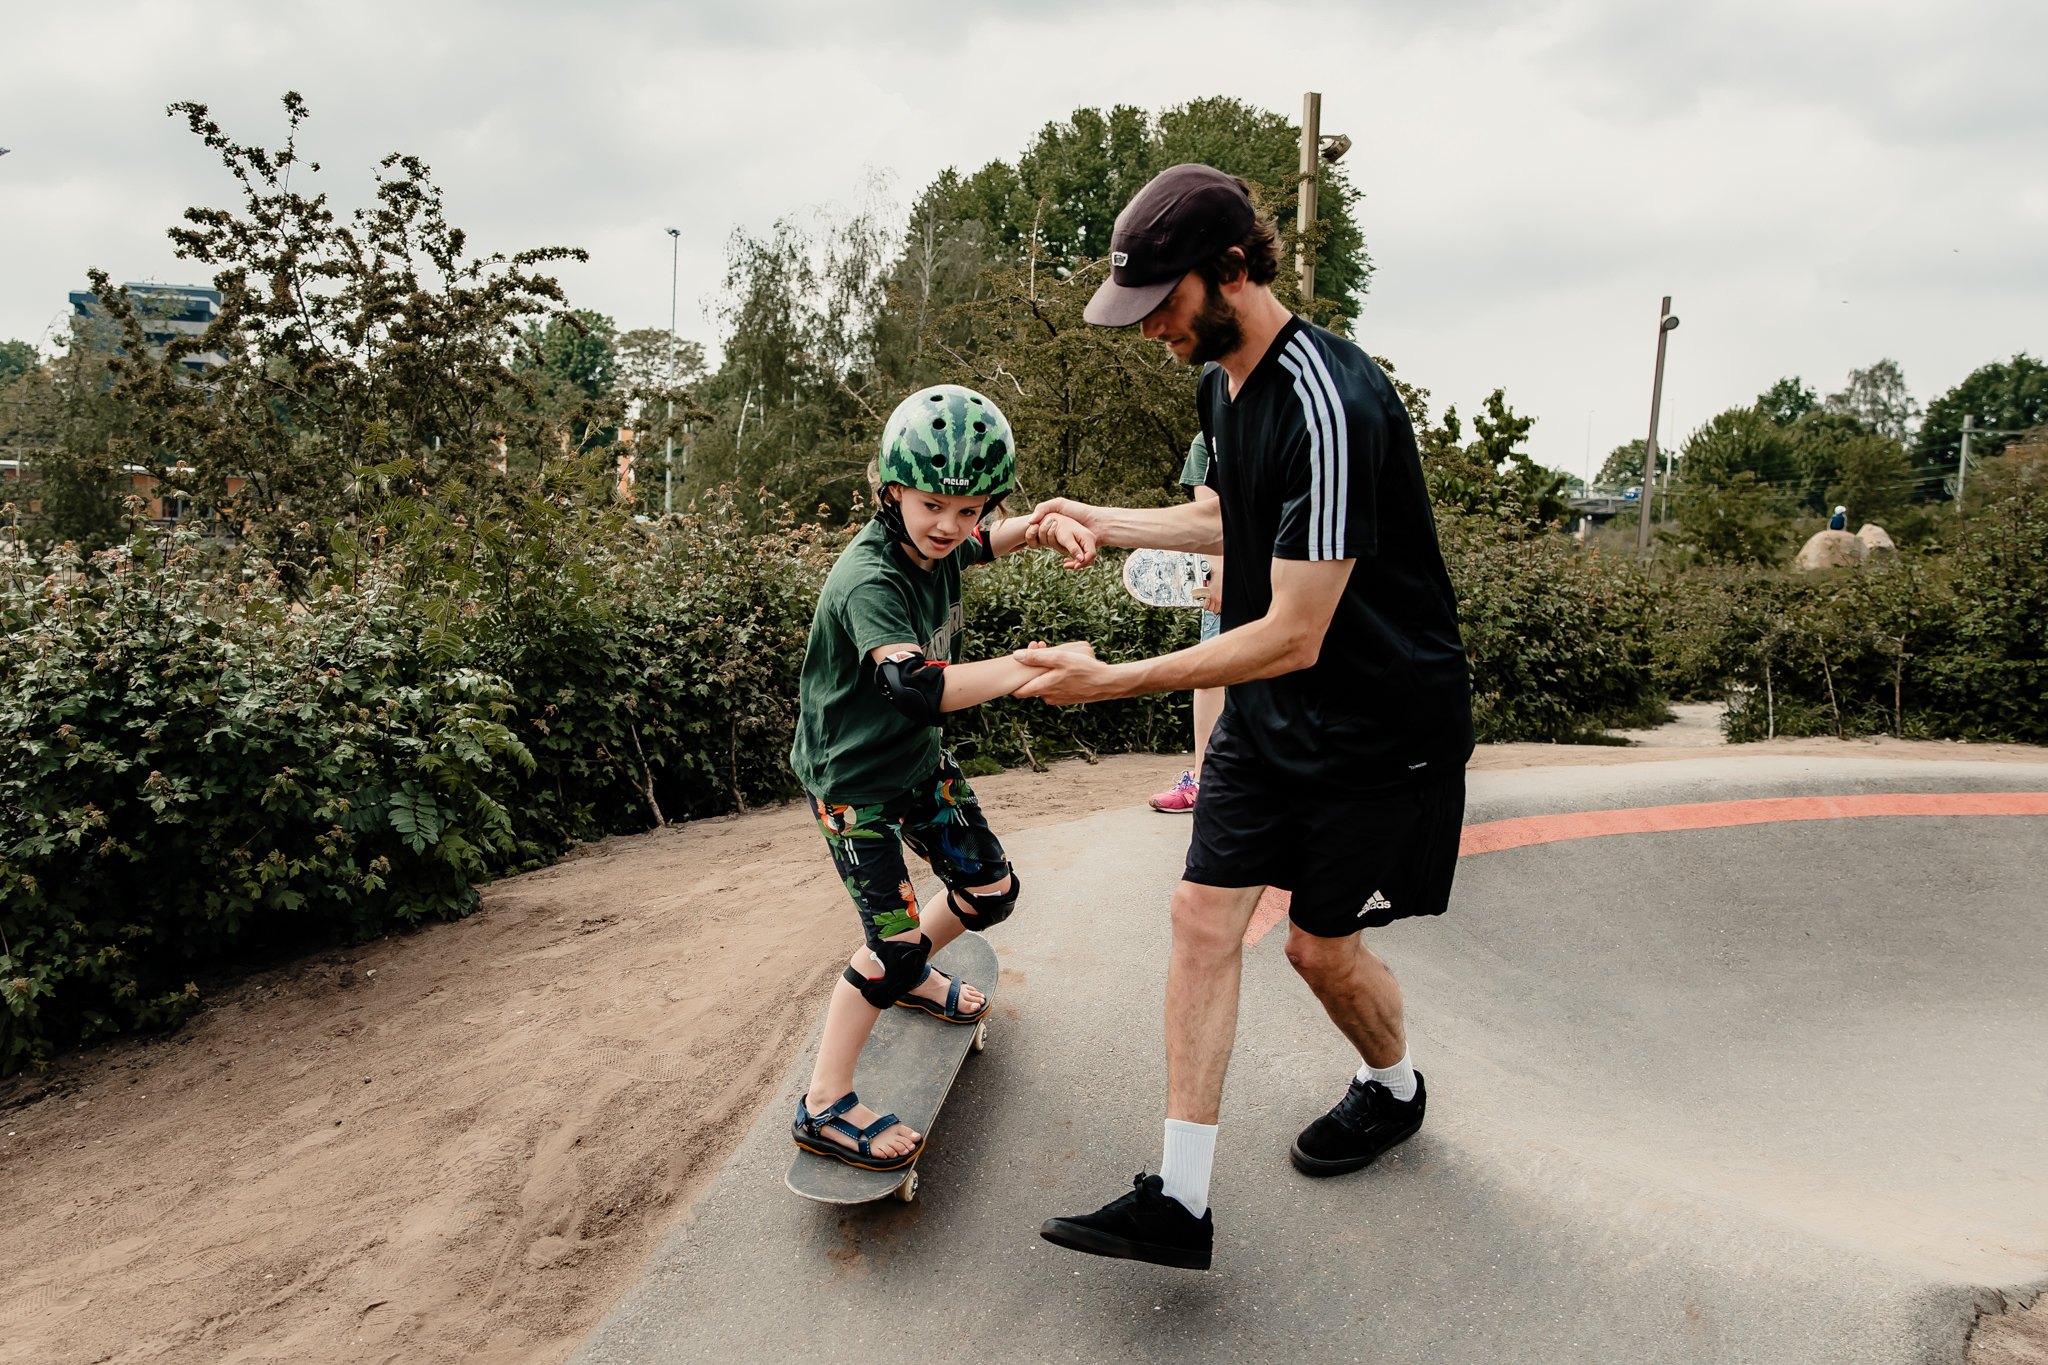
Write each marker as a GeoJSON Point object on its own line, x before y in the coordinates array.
{"type": "Point", "coordinates": [949, 439]}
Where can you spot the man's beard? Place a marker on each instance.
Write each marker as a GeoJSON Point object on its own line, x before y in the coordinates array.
{"type": "Point", "coordinates": [1215, 328]}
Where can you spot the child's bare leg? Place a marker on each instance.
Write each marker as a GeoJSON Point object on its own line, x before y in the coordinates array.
{"type": "Point", "coordinates": [942, 926]}
{"type": "Point", "coordinates": [848, 1022]}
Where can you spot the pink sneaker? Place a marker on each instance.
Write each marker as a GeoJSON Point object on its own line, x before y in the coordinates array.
{"type": "Point", "coordinates": [1180, 799]}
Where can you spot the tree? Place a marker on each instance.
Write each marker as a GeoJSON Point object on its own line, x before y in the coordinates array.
{"type": "Point", "coordinates": [1786, 401]}
{"type": "Point", "coordinates": [2003, 396]}
{"type": "Point", "coordinates": [1740, 441]}
{"type": "Point", "coordinates": [64, 422]}
{"type": "Point", "coordinates": [572, 358]}
{"type": "Point", "coordinates": [1842, 461]}
{"type": "Point", "coordinates": [364, 358]}
{"type": "Point", "coordinates": [16, 358]}
{"type": "Point", "coordinates": [1877, 397]}
{"type": "Point", "coordinates": [1490, 475]}
{"type": "Point", "coordinates": [1732, 521]}
{"type": "Point", "coordinates": [804, 385]}
{"type": "Point", "coordinates": [1623, 467]}
{"type": "Point", "coordinates": [1100, 414]}
{"type": "Point", "coordinates": [645, 360]}
{"type": "Point", "coordinates": [1068, 186]}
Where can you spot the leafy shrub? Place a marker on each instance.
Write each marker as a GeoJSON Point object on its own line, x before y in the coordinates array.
{"type": "Point", "coordinates": [200, 764]}
{"type": "Point", "coordinates": [1030, 597]}
{"type": "Point", "coordinates": [192, 766]}
{"type": "Point", "coordinates": [1924, 645]}
{"type": "Point", "coordinates": [1558, 637]}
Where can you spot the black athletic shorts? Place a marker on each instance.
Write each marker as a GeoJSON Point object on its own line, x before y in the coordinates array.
{"type": "Point", "coordinates": [1352, 862]}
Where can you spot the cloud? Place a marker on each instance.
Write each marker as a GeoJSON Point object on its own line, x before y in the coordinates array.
{"type": "Point", "coordinates": [1537, 174]}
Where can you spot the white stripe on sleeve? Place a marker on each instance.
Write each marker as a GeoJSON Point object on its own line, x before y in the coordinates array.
{"type": "Point", "coordinates": [1340, 453]}
{"type": "Point", "coordinates": [1317, 543]}
{"type": "Point", "coordinates": [1328, 446]}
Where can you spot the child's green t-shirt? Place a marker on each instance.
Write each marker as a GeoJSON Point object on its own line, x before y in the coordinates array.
{"type": "Point", "coordinates": [853, 748]}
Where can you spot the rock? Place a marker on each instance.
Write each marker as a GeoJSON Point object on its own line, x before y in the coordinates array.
{"type": "Point", "coordinates": [1875, 541]}
{"type": "Point", "coordinates": [1830, 550]}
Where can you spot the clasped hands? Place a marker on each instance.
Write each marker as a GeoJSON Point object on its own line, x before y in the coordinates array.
{"type": "Point", "coordinates": [1069, 673]}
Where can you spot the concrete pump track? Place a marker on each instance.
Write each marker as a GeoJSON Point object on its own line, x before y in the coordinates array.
{"type": "Point", "coordinates": [1730, 1059]}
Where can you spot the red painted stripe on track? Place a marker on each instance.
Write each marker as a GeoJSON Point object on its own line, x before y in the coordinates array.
{"type": "Point", "coordinates": [1549, 829]}
{"type": "Point", "coordinates": [1496, 835]}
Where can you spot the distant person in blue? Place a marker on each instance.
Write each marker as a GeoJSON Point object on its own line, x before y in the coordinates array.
{"type": "Point", "coordinates": [1840, 520]}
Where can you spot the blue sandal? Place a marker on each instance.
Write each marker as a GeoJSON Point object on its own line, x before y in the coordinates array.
{"type": "Point", "coordinates": [950, 1011]}
{"type": "Point", "coordinates": [809, 1132]}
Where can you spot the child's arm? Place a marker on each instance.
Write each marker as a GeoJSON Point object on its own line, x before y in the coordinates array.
{"type": "Point", "coordinates": [965, 685]}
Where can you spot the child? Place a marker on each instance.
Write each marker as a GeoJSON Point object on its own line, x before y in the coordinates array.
{"type": "Point", "coordinates": [879, 671]}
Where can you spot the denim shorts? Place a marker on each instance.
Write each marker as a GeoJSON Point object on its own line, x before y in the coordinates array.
{"type": "Point", "coordinates": [1212, 626]}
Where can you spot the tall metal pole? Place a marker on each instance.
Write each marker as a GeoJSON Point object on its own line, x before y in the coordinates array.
{"type": "Point", "coordinates": [668, 455]}
{"type": "Point", "coordinates": [1665, 322]}
{"type": "Point", "coordinates": [1305, 215]}
{"type": "Point", "coordinates": [1963, 460]}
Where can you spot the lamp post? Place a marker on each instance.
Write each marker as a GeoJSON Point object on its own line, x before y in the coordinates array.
{"type": "Point", "coordinates": [1314, 147]}
{"type": "Point", "coordinates": [1666, 323]}
{"type": "Point", "coordinates": [668, 458]}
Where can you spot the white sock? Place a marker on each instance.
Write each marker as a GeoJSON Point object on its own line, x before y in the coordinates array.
{"type": "Point", "coordinates": [1184, 1173]}
{"type": "Point", "coordinates": [1399, 1079]}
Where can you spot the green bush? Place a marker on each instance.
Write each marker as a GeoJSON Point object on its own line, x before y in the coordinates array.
{"type": "Point", "coordinates": [1558, 637]}
{"type": "Point", "coordinates": [1949, 644]}
{"type": "Point", "coordinates": [200, 765]}
{"type": "Point", "coordinates": [1030, 597]}
{"type": "Point", "coordinates": [194, 766]}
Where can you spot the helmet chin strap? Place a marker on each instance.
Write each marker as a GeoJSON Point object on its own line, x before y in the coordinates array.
{"type": "Point", "coordinates": [890, 514]}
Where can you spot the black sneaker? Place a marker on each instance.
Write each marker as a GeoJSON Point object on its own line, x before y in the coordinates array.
{"type": "Point", "coordinates": [1366, 1122]}
{"type": "Point", "coordinates": [1144, 1225]}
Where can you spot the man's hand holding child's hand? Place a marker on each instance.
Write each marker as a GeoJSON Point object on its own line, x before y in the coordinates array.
{"type": "Point", "coordinates": [1053, 525]}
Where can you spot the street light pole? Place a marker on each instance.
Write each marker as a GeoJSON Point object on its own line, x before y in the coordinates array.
{"type": "Point", "coordinates": [1665, 323]}
{"type": "Point", "coordinates": [1305, 198]}
{"type": "Point", "coordinates": [668, 457]}
{"type": "Point", "coordinates": [1963, 460]}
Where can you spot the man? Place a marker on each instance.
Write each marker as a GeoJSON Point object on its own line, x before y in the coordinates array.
{"type": "Point", "coordinates": [1337, 768]}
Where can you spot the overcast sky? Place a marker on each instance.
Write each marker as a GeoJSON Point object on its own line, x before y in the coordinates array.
{"type": "Point", "coordinates": [1817, 183]}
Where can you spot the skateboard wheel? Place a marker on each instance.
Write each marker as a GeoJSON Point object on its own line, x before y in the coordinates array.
{"type": "Point", "coordinates": [980, 1043]}
{"type": "Point", "coordinates": [907, 1191]}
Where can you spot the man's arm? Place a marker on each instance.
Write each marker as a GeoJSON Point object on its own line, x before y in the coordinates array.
{"type": "Point", "coordinates": [1289, 637]}
{"type": "Point", "coordinates": [1196, 526]}
{"type": "Point", "coordinates": [1068, 538]}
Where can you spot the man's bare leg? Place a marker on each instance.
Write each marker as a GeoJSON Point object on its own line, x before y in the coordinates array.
{"type": "Point", "coordinates": [1358, 992]}
{"type": "Point", "coordinates": [1201, 994]}
{"type": "Point", "coordinates": [1384, 1102]}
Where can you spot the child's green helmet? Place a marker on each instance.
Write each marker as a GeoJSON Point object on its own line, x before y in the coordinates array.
{"type": "Point", "coordinates": [947, 439]}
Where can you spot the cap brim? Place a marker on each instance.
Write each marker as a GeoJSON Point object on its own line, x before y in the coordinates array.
{"type": "Point", "coordinates": [1120, 305]}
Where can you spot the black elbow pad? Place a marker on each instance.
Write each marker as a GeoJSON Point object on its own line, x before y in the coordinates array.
{"type": "Point", "coordinates": [913, 684]}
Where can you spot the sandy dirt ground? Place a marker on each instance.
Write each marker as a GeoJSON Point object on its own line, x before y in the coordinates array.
{"type": "Point", "coordinates": [464, 1144]}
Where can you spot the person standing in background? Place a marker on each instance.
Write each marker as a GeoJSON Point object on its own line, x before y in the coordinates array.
{"type": "Point", "coordinates": [1179, 799]}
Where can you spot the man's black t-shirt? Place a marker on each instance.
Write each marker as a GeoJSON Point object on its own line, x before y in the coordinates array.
{"type": "Point", "coordinates": [1315, 459]}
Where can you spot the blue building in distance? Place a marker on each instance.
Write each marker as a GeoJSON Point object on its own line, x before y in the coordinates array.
{"type": "Point", "coordinates": [166, 311]}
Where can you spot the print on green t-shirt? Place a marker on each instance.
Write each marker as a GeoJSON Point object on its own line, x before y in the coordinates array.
{"type": "Point", "coordinates": [852, 747]}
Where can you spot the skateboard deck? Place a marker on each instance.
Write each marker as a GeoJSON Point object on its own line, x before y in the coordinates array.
{"type": "Point", "coordinates": [906, 1068]}
{"type": "Point", "coordinates": [1167, 578]}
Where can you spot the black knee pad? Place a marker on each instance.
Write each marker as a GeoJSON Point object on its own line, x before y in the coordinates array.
{"type": "Point", "coordinates": [902, 970]}
{"type": "Point", "coordinates": [986, 912]}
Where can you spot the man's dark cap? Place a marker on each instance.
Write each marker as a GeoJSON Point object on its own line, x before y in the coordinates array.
{"type": "Point", "coordinates": [1186, 215]}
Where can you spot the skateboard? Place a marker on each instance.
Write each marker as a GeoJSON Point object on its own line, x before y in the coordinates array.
{"type": "Point", "coordinates": [1167, 578]}
{"type": "Point", "coordinates": [906, 1068]}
